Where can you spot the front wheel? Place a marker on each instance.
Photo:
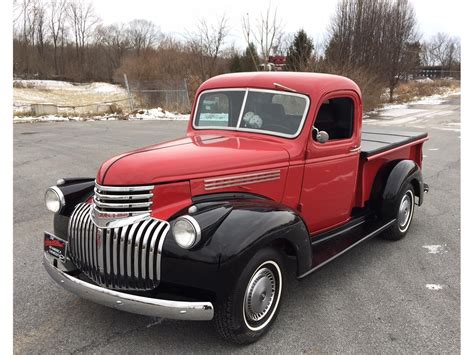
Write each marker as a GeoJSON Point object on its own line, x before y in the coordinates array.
{"type": "Point", "coordinates": [405, 208]}
{"type": "Point", "coordinates": [252, 306]}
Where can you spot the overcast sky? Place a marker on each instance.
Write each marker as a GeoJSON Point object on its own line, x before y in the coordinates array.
{"type": "Point", "coordinates": [177, 16]}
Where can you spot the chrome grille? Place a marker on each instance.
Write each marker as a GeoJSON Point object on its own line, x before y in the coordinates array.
{"type": "Point", "coordinates": [123, 199]}
{"type": "Point", "coordinates": [127, 257]}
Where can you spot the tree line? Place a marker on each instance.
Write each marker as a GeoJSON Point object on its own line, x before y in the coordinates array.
{"type": "Point", "coordinates": [375, 42]}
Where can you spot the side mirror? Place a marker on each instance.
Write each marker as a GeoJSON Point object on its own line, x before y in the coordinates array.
{"type": "Point", "coordinates": [320, 136]}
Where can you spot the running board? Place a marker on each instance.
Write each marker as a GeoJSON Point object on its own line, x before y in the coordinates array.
{"type": "Point", "coordinates": [328, 249]}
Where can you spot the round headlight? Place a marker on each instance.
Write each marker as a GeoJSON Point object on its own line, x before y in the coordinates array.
{"type": "Point", "coordinates": [186, 232]}
{"type": "Point", "coordinates": [54, 199]}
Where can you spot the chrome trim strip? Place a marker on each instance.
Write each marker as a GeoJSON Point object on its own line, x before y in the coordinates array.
{"type": "Point", "coordinates": [116, 219]}
{"type": "Point", "coordinates": [241, 113]}
{"type": "Point", "coordinates": [368, 236]}
{"type": "Point", "coordinates": [122, 205]}
{"type": "Point", "coordinates": [236, 180]}
{"type": "Point", "coordinates": [123, 197]}
{"type": "Point", "coordinates": [115, 241]}
{"type": "Point", "coordinates": [124, 188]}
{"type": "Point", "coordinates": [135, 304]}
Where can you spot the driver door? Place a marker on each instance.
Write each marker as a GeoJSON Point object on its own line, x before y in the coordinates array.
{"type": "Point", "coordinates": [330, 173]}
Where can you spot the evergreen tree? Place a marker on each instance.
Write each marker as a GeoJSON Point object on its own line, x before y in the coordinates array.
{"type": "Point", "coordinates": [235, 64]}
{"type": "Point", "coordinates": [250, 61]}
{"type": "Point", "coordinates": [300, 52]}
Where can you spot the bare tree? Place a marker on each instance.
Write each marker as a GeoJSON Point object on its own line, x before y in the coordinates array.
{"type": "Point", "coordinates": [114, 41]}
{"type": "Point", "coordinates": [266, 32]}
{"type": "Point", "coordinates": [143, 34]}
{"type": "Point", "coordinates": [378, 35]}
{"type": "Point", "coordinates": [56, 24]}
{"type": "Point", "coordinates": [82, 20]}
{"type": "Point", "coordinates": [443, 49]}
{"type": "Point", "coordinates": [206, 42]}
{"type": "Point", "coordinates": [400, 42]}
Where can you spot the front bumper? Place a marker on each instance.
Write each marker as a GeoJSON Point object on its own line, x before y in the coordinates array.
{"type": "Point", "coordinates": [130, 303]}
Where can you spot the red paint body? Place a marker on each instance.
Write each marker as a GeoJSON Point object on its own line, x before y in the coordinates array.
{"type": "Point", "coordinates": [323, 182]}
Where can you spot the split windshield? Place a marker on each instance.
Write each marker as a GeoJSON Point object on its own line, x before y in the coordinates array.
{"type": "Point", "coordinates": [264, 111]}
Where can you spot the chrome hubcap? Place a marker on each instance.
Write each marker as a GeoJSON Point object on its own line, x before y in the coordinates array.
{"type": "Point", "coordinates": [404, 211]}
{"type": "Point", "coordinates": [260, 294]}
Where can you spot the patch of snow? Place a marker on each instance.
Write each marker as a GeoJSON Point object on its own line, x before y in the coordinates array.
{"type": "Point", "coordinates": [390, 109]}
{"type": "Point", "coordinates": [425, 80]}
{"type": "Point", "coordinates": [57, 118]}
{"type": "Point", "coordinates": [106, 88]}
{"type": "Point", "coordinates": [150, 114]}
{"type": "Point", "coordinates": [97, 87]}
{"type": "Point", "coordinates": [157, 114]}
{"type": "Point", "coordinates": [43, 84]}
{"type": "Point", "coordinates": [434, 287]}
{"type": "Point", "coordinates": [435, 249]}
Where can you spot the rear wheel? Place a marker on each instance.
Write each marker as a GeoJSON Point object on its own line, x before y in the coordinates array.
{"type": "Point", "coordinates": [404, 209]}
{"type": "Point", "coordinates": [252, 306]}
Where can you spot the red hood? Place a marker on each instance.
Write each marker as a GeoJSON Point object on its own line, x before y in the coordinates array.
{"type": "Point", "coordinates": [191, 158]}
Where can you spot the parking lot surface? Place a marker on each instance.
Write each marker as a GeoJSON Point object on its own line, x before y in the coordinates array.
{"type": "Point", "coordinates": [382, 297]}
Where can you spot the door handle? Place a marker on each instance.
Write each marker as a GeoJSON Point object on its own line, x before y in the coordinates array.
{"type": "Point", "coordinates": [354, 149]}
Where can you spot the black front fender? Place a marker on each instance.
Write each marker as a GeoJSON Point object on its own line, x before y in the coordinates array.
{"type": "Point", "coordinates": [232, 232]}
{"type": "Point", "coordinates": [75, 190]}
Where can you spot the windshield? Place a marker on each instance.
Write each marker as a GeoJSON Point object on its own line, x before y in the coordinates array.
{"type": "Point", "coordinates": [262, 111]}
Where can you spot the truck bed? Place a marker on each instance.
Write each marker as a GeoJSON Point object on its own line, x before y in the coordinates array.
{"type": "Point", "coordinates": [378, 140]}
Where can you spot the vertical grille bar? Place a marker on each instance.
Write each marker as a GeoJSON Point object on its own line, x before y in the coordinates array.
{"type": "Point", "coordinates": [123, 246]}
{"type": "Point", "coordinates": [146, 247]}
{"type": "Point", "coordinates": [159, 251]}
{"type": "Point", "coordinates": [115, 270]}
{"type": "Point", "coordinates": [107, 243]}
{"type": "Point", "coordinates": [100, 249]}
{"type": "Point", "coordinates": [153, 251]}
{"type": "Point", "coordinates": [127, 257]}
{"type": "Point", "coordinates": [130, 245]}
{"type": "Point", "coordinates": [138, 247]}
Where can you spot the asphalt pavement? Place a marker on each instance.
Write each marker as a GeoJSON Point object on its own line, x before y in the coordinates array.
{"type": "Point", "coordinates": [381, 297]}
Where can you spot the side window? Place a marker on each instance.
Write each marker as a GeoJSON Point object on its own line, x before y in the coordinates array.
{"type": "Point", "coordinates": [336, 117]}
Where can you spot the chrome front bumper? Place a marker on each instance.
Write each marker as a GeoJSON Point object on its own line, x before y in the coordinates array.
{"type": "Point", "coordinates": [130, 303]}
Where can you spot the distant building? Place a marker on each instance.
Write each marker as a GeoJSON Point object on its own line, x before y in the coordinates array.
{"type": "Point", "coordinates": [435, 72]}
{"type": "Point", "coordinates": [275, 63]}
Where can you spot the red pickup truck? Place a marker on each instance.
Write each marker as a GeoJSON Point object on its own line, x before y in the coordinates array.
{"type": "Point", "coordinates": [275, 169]}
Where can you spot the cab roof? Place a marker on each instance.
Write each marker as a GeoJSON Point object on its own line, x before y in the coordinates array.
{"type": "Point", "coordinates": [312, 84]}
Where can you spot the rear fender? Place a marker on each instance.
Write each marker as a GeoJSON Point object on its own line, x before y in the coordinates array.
{"type": "Point", "coordinates": [403, 172]}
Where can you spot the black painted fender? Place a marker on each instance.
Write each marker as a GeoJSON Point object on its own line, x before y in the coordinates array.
{"type": "Point", "coordinates": [232, 232]}
{"type": "Point", "coordinates": [75, 190]}
{"type": "Point", "coordinates": [403, 172]}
